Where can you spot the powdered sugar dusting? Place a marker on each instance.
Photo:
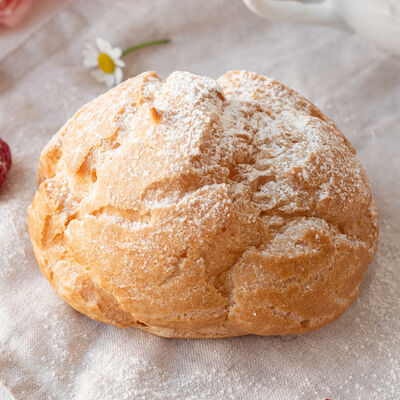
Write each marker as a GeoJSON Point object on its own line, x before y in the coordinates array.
{"type": "Point", "coordinates": [150, 382]}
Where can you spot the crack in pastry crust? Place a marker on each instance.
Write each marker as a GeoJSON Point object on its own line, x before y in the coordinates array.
{"type": "Point", "coordinates": [198, 208]}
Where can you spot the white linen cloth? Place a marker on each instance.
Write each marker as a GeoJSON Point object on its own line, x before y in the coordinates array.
{"type": "Point", "coordinates": [50, 351]}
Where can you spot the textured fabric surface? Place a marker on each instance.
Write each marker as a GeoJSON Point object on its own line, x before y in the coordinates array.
{"type": "Point", "coordinates": [49, 351]}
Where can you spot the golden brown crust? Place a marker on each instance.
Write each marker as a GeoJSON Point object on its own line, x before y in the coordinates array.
{"type": "Point", "coordinates": [198, 208]}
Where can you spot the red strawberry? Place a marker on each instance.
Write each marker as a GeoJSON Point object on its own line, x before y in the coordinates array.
{"type": "Point", "coordinates": [5, 161]}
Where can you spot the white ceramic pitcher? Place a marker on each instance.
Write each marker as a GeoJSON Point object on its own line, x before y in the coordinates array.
{"type": "Point", "coordinates": [377, 20]}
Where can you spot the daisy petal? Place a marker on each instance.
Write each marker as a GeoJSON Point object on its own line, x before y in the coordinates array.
{"type": "Point", "coordinates": [101, 44]}
{"type": "Point", "coordinates": [100, 76]}
{"type": "Point", "coordinates": [109, 80]}
{"type": "Point", "coordinates": [116, 52]}
{"type": "Point", "coordinates": [118, 62]}
{"type": "Point", "coordinates": [90, 62]}
{"type": "Point", "coordinates": [108, 48]}
{"type": "Point", "coordinates": [118, 74]}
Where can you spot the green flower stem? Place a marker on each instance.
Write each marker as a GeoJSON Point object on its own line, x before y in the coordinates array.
{"type": "Point", "coordinates": [144, 44]}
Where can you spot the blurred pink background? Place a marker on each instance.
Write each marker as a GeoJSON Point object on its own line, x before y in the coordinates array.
{"type": "Point", "coordinates": [11, 38]}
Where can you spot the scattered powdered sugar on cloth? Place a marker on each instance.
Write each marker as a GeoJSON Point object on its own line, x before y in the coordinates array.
{"type": "Point", "coordinates": [49, 351]}
{"type": "Point", "coordinates": [146, 380]}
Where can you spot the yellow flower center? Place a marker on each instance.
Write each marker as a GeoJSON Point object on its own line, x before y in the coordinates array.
{"type": "Point", "coordinates": [106, 63]}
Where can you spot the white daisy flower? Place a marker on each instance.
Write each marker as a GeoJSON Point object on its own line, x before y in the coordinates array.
{"type": "Point", "coordinates": [105, 61]}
